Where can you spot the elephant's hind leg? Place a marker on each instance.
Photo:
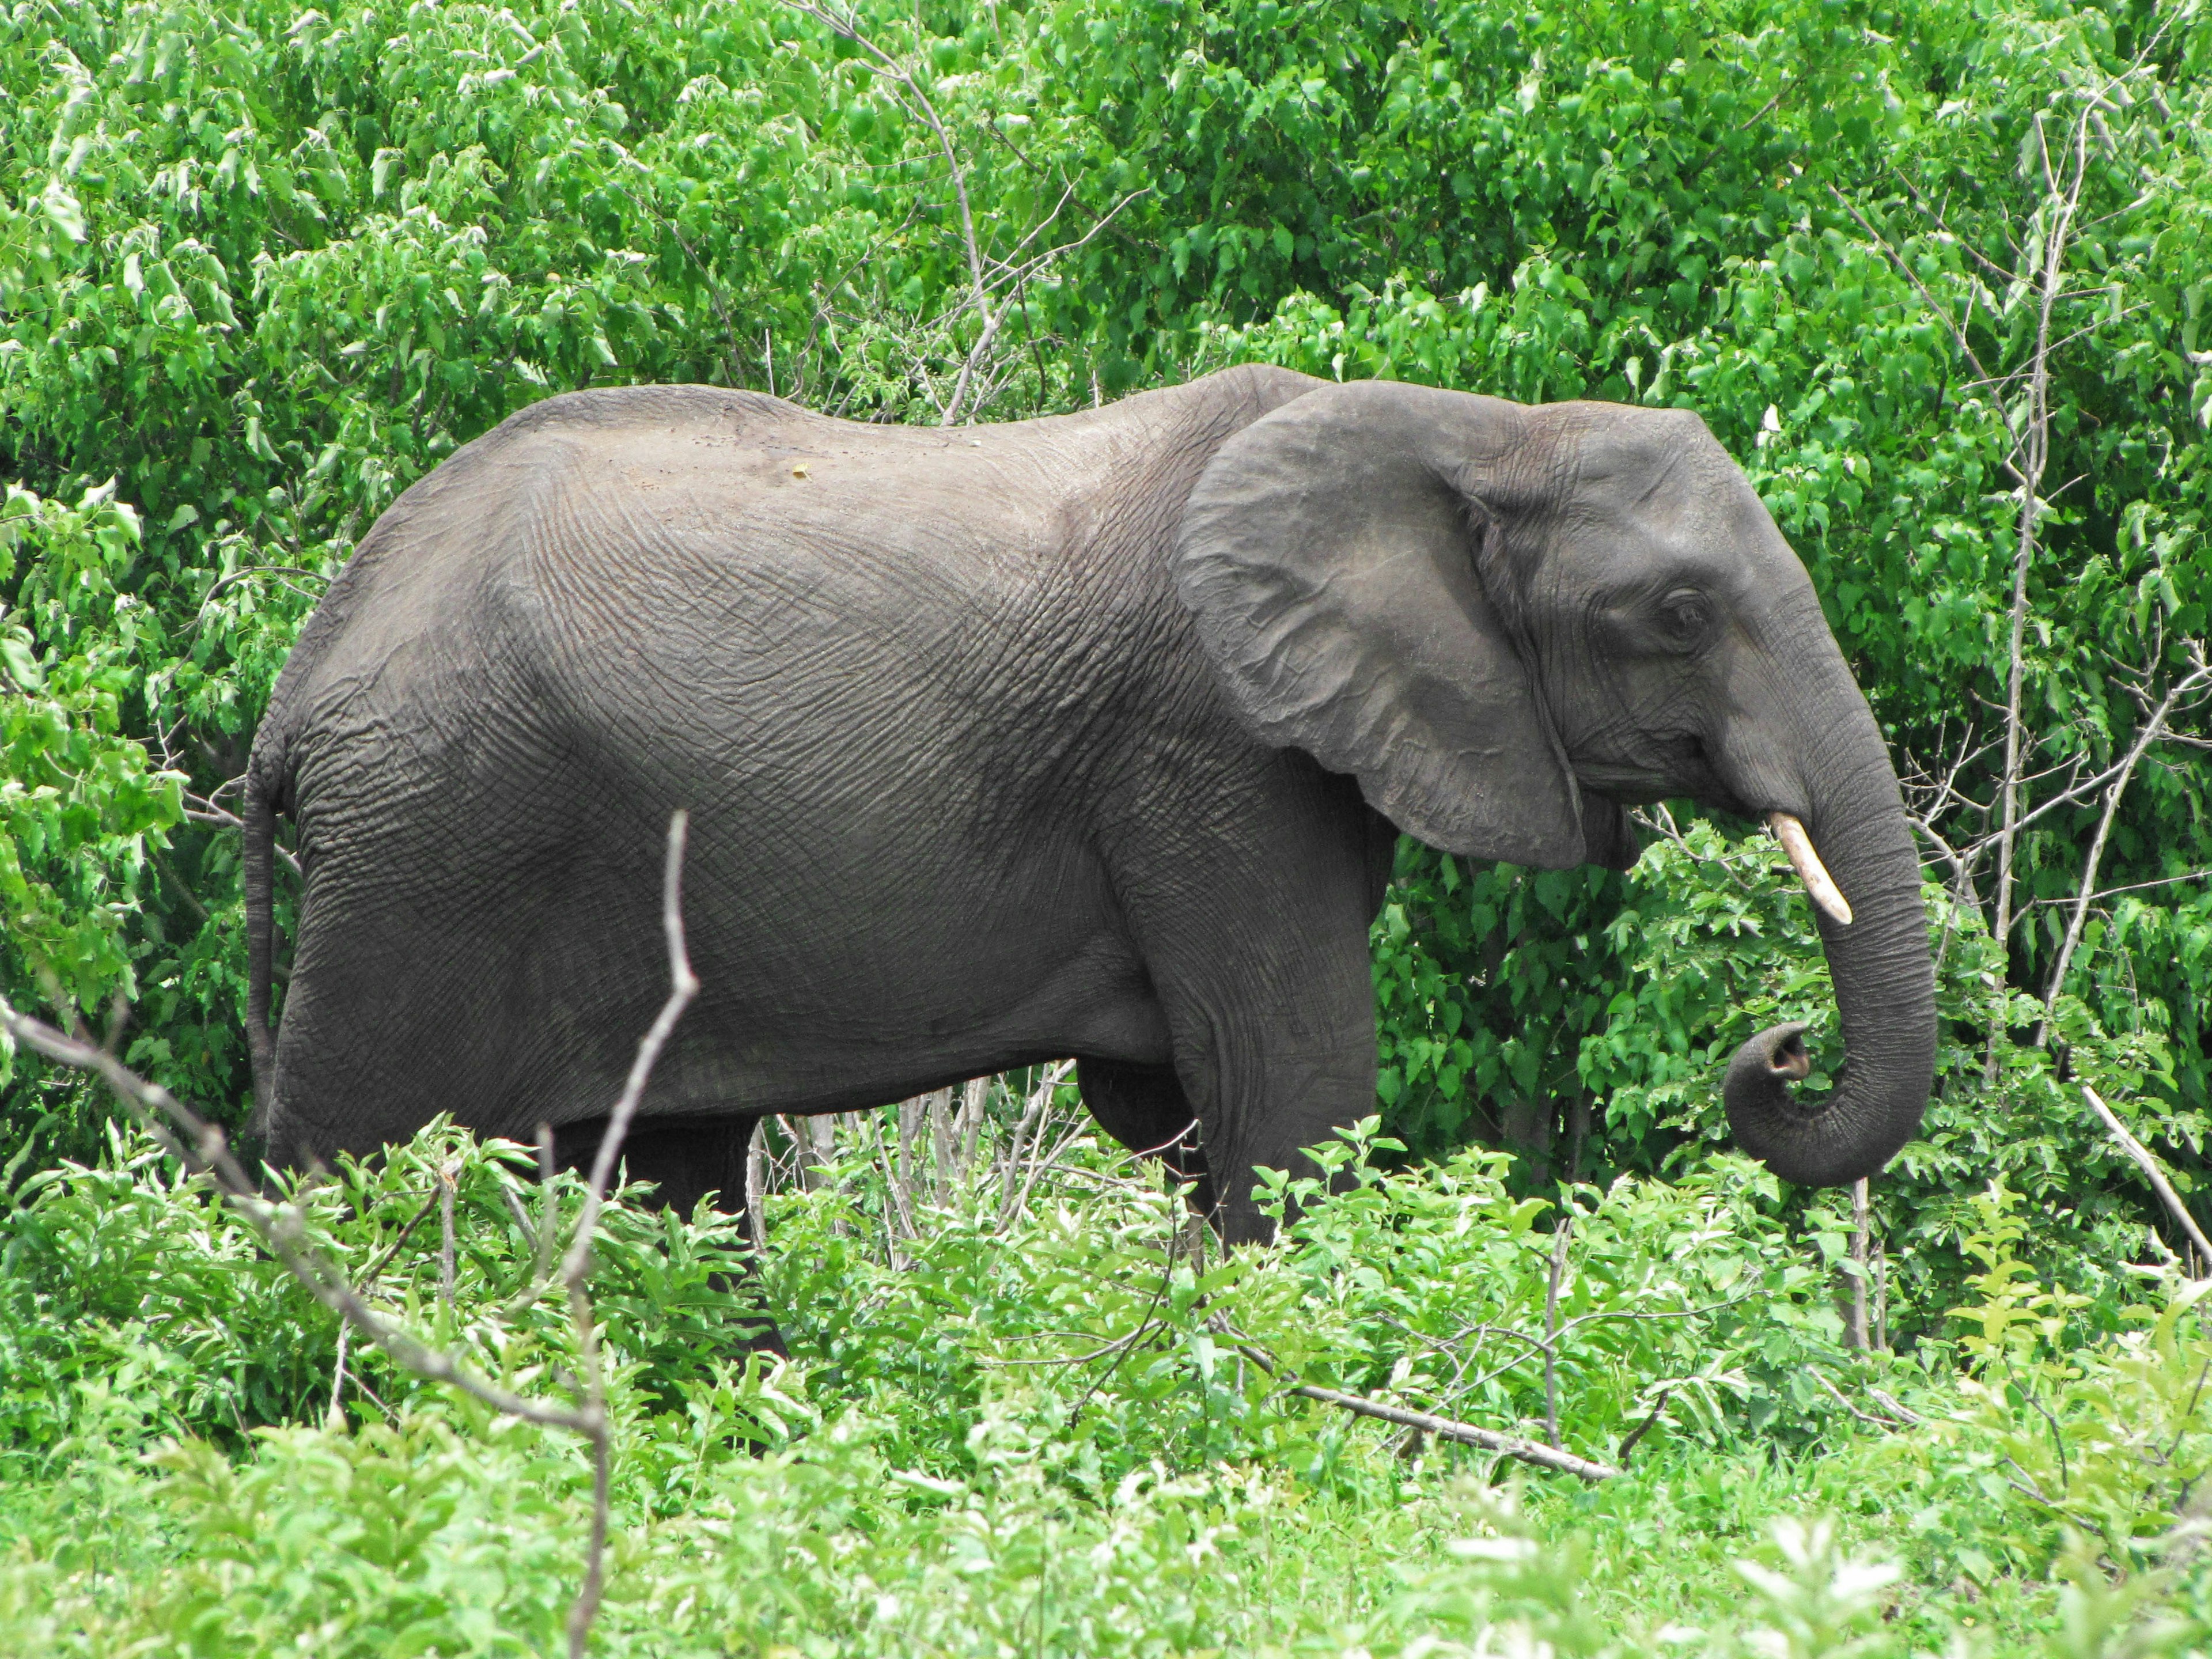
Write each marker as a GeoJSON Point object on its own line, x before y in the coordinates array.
{"type": "Point", "coordinates": [1144, 1108]}
{"type": "Point", "coordinates": [686, 1159]}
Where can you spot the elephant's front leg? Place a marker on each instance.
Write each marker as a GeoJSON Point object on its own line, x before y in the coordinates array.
{"type": "Point", "coordinates": [1259, 956]}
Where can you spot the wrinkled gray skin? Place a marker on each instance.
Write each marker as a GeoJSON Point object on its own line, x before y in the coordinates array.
{"type": "Point", "coordinates": [1082, 736]}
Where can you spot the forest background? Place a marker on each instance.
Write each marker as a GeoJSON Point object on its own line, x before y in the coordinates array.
{"type": "Point", "coordinates": [1935, 273]}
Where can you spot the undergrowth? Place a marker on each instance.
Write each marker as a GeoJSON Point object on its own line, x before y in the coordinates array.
{"type": "Point", "coordinates": [1069, 1433]}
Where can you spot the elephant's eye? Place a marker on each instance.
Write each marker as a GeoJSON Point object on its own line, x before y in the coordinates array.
{"type": "Point", "coordinates": [1686, 617]}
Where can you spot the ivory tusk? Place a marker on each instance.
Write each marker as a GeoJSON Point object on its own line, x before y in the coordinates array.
{"type": "Point", "coordinates": [1807, 863]}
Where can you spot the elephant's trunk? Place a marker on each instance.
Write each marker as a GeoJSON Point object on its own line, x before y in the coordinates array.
{"type": "Point", "coordinates": [1884, 983]}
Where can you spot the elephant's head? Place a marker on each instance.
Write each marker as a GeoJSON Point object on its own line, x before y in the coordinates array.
{"type": "Point", "coordinates": [1507, 621]}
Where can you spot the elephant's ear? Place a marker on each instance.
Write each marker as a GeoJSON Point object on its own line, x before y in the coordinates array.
{"type": "Point", "coordinates": [1344, 557]}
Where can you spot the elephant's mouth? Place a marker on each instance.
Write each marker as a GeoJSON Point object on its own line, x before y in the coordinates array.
{"type": "Point", "coordinates": [1671, 767]}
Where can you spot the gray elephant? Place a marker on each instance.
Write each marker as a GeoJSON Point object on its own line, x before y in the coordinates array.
{"type": "Point", "coordinates": [1088, 736]}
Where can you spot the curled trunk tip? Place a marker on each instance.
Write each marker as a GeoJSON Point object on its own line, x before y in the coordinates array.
{"type": "Point", "coordinates": [1807, 1146]}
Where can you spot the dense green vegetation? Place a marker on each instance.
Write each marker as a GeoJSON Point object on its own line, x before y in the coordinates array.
{"type": "Point", "coordinates": [1040, 1432]}
{"type": "Point", "coordinates": [262, 266]}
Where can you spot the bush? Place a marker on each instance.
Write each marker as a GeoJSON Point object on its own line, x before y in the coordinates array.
{"type": "Point", "coordinates": [1055, 1436]}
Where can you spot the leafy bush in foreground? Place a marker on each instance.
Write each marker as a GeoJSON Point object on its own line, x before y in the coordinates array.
{"type": "Point", "coordinates": [1053, 1437]}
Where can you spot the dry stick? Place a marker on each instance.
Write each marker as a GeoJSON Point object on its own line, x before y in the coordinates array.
{"type": "Point", "coordinates": [2153, 729]}
{"type": "Point", "coordinates": [1040, 1161]}
{"type": "Point", "coordinates": [898, 1209]}
{"type": "Point", "coordinates": [1560, 1235]}
{"type": "Point", "coordinates": [1445, 1428]}
{"type": "Point", "coordinates": [813, 1145]}
{"type": "Point", "coordinates": [1855, 1336]}
{"type": "Point", "coordinates": [975, 1096]}
{"type": "Point", "coordinates": [334, 1419]}
{"type": "Point", "coordinates": [2149, 1165]}
{"type": "Point", "coordinates": [1054, 1075]}
{"type": "Point", "coordinates": [683, 985]}
{"type": "Point", "coordinates": [230, 820]}
{"type": "Point", "coordinates": [521, 1212]}
{"type": "Point", "coordinates": [1910, 1419]}
{"type": "Point", "coordinates": [939, 1113]}
{"type": "Point", "coordinates": [2033, 446]}
{"type": "Point", "coordinates": [1023, 1129]}
{"type": "Point", "coordinates": [1882, 1423]}
{"type": "Point", "coordinates": [1466, 1434]}
{"type": "Point", "coordinates": [1628, 1446]}
{"type": "Point", "coordinates": [549, 1223]}
{"type": "Point", "coordinates": [909, 1127]}
{"type": "Point", "coordinates": [755, 1223]}
{"type": "Point", "coordinates": [1881, 1296]}
{"type": "Point", "coordinates": [448, 1180]}
{"type": "Point", "coordinates": [383, 1260]}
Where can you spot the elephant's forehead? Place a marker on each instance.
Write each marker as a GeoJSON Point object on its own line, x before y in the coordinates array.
{"type": "Point", "coordinates": [1644, 456]}
{"type": "Point", "coordinates": [1697, 516]}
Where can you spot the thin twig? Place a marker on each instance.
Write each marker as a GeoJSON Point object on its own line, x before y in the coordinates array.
{"type": "Point", "coordinates": [1628, 1445]}
{"type": "Point", "coordinates": [207, 812]}
{"type": "Point", "coordinates": [448, 1178]}
{"type": "Point", "coordinates": [1881, 1423]}
{"type": "Point", "coordinates": [1855, 1337]}
{"type": "Point", "coordinates": [369, 1274]}
{"type": "Point", "coordinates": [2151, 730]}
{"type": "Point", "coordinates": [683, 985]}
{"type": "Point", "coordinates": [1445, 1428]}
{"type": "Point", "coordinates": [2026, 1488]}
{"type": "Point", "coordinates": [334, 1419]}
{"type": "Point", "coordinates": [2149, 1165]}
{"type": "Point", "coordinates": [1561, 1233]}
{"type": "Point", "coordinates": [1466, 1434]}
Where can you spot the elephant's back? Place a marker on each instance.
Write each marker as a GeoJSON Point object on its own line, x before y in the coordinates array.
{"type": "Point", "coordinates": [718, 577]}
{"type": "Point", "coordinates": [652, 496]}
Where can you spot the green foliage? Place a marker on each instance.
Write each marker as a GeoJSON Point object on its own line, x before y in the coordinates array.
{"type": "Point", "coordinates": [82, 806]}
{"type": "Point", "coordinates": [138, 1308]}
{"type": "Point", "coordinates": [1053, 1436]}
{"type": "Point", "coordinates": [260, 269]}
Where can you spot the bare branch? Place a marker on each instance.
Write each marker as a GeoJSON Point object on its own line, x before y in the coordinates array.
{"type": "Point", "coordinates": [891, 69]}
{"type": "Point", "coordinates": [2149, 1165]}
{"type": "Point", "coordinates": [683, 985]}
{"type": "Point", "coordinates": [2151, 730]}
{"type": "Point", "coordinates": [1562, 1233]}
{"type": "Point", "coordinates": [1445, 1428]}
{"type": "Point", "coordinates": [202, 809]}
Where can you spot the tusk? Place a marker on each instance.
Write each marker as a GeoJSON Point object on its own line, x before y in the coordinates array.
{"type": "Point", "coordinates": [1806, 862]}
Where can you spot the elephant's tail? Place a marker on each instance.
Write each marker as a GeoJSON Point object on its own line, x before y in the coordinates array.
{"type": "Point", "coordinates": [261, 855]}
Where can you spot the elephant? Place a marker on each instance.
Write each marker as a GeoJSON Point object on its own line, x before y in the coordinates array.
{"type": "Point", "coordinates": [1083, 736]}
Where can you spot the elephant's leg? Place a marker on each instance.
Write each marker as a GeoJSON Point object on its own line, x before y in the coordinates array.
{"type": "Point", "coordinates": [1269, 1084]}
{"type": "Point", "coordinates": [1144, 1108]}
{"type": "Point", "coordinates": [1257, 951]}
{"type": "Point", "coordinates": [686, 1159]}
